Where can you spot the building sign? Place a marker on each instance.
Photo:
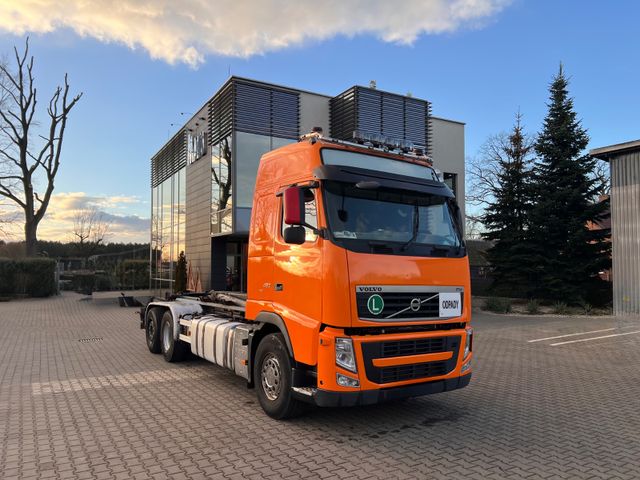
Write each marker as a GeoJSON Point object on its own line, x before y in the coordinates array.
{"type": "Point", "coordinates": [196, 146]}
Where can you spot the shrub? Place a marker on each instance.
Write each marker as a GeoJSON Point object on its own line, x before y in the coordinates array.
{"type": "Point", "coordinates": [134, 274]}
{"type": "Point", "coordinates": [587, 308]}
{"type": "Point", "coordinates": [498, 305]}
{"type": "Point", "coordinates": [30, 276]}
{"type": "Point", "coordinates": [560, 308]}
{"type": "Point", "coordinates": [533, 307]}
{"type": "Point", "coordinates": [84, 282]}
{"type": "Point", "coordinates": [7, 275]}
{"type": "Point", "coordinates": [103, 283]}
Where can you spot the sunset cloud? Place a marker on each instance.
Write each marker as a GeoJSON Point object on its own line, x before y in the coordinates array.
{"type": "Point", "coordinates": [58, 223]}
{"type": "Point", "coordinates": [187, 31]}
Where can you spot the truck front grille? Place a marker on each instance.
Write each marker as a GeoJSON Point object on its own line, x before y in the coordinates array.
{"type": "Point", "coordinates": [410, 372]}
{"type": "Point", "coordinates": [401, 348]}
{"type": "Point", "coordinates": [401, 303]}
{"type": "Point", "coordinates": [412, 347]}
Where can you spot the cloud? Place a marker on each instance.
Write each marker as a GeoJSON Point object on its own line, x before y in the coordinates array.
{"type": "Point", "coordinates": [188, 30]}
{"type": "Point", "coordinates": [58, 222]}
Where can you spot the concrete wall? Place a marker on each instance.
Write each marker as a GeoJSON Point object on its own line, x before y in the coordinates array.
{"type": "Point", "coordinates": [448, 152]}
{"type": "Point", "coordinates": [198, 228]}
{"type": "Point", "coordinates": [625, 232]}
{"type": "Point", "coordinates": [314, 112]}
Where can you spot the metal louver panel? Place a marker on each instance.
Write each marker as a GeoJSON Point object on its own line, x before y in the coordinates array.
{"type": "Point", "coordinates": [265, 110]}
{"type": "Point", "coordinates": [170, 159]}
{"type": "Point", "coordinates": [221, 113]}
{"type": "Point", "coordinates": [375, 111]}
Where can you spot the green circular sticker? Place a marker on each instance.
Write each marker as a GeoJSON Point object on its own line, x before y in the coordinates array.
{"type": "Point", "coordinates": [375, 304]}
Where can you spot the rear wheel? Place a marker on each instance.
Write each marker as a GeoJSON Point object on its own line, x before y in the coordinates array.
{"type": "Point", "coordinates": [152, 330]}
{"type": "Point", "coordinates": [272, 377]}
{"type": "Point", "coordinates": [172, 349]}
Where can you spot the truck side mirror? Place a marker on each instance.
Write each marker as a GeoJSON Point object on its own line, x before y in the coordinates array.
{"type": "Point", "coordinates": [294, 206]}
{"type": "Point", "coordinates": [294, 235]}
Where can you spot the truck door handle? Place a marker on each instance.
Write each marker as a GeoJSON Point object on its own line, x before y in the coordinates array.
{"type": "Point", "coordinates": [279, 287]}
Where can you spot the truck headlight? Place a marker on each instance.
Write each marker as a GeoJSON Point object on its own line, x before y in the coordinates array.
{"type": "Point", "coordinates": [468, 344]}
{"type": "Point", "coordinates": [345, 357]}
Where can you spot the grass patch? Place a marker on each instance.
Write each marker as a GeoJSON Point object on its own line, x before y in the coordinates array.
{"type": "Point", "coordinates": [498, 305]}
{"type": "Point", "coordinates": [560, 308]}
{"type": "Point", "coordinates": [533, 307]}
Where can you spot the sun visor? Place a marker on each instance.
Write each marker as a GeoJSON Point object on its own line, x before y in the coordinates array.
{"type": "Point", "coordinates": [355, 175]}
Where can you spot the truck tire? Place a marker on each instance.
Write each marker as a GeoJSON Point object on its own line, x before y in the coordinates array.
{"type": "Point", "coordinates": [172, 349]}
{"type": "Point", "coordinates": [152, 330]}
{"type": "Point", "coordinates": [272, 377]}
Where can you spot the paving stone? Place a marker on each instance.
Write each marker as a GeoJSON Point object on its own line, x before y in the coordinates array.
{"type": "Point", "coordinates": [110, 409]}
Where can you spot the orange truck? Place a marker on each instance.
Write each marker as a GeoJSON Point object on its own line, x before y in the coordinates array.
{"type": "Point", "coordinates": [358, 282]}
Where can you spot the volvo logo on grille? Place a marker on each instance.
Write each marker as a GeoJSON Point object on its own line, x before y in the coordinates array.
{"type": "Point", "coordinates": [415, 304]}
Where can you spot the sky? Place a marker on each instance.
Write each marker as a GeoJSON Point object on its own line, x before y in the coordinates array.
{"type": "Point", "coordinates": [144, 66]}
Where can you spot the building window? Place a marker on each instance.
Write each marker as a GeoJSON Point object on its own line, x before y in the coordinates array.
{"type": "Point", "coordinates": [167, 230]}
{"type": "Point", "coordinates": [221, 187]}
{"type": "Point", "coordinates": [451, 179]}
{"type": "Point", "coordinates": [249, 150]}
{"type": "Point", "coordinates": [196, 146]}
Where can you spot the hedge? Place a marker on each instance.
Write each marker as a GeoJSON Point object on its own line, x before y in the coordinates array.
{"type": "Point", "coordinates": [30, 276]}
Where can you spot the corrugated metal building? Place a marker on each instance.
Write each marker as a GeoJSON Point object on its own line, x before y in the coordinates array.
{"type": "Point", "coordinates": [624, 161]}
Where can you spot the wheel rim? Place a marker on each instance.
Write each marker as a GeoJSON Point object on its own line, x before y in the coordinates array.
{"type": "Point", "coordinates": [271, 377]}
{"type": "Point", "coordinates": [166, 338]}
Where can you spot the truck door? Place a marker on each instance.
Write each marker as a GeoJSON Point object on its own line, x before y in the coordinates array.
{"type": "Point", "coordinates": [298, 273]}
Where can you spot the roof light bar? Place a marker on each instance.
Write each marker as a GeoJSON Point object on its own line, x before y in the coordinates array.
{"type": "Point", "coordinates": [378, 140]}
{"type": "Point", "coordinates": [402, 147]}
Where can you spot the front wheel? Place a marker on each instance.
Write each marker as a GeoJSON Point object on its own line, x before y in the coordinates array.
{"type": "Point", "coordinates": [172, 349]}
{"type": "Point", "coordinates": [272, 377]}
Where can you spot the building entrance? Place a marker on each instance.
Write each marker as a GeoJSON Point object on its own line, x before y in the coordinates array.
{"type": "Point", "coordinates": [236, 266]}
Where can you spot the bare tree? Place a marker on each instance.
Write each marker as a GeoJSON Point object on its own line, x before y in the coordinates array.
{"type": "Point", "coordinates": [23, 161]}
{"type": "Point", "coordinates": [602, 173]}
{"type": "Point", "coordinates": [224, 179]}
{"type": "Point", "coordinates": [90, 230]}
{"type": "Point", "coordinates": [8, 217]}
{"type": "Point", "coordinates": [473, 227]}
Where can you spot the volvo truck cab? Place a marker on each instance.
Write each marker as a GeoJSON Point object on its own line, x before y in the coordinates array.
{"type": "Point", "coordinates": [358, 282]}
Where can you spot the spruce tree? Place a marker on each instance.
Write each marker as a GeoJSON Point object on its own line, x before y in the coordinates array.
{"type": "Point", "coordinates": [566, 255]}
{"type": "Point", "coordinates": [506, 217]}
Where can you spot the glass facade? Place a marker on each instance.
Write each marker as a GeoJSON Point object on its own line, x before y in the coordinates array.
{"type": "Point", "coordinates": [168, 217]}
{"type": "Point", "coordinates": [222, 187]}
{"type": "Point", "coordinates": [249, 149]}
{"type": "Point", "coordinates": [246, 152]}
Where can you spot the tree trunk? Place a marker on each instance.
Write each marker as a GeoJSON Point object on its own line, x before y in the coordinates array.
{"type": "Point", "coordinates": [31, 240]}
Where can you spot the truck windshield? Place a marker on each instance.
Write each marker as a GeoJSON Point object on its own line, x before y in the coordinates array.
{"type": "Point", "coordinates": [391, 221]}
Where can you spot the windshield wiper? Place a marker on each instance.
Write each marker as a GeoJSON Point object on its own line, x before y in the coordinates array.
{"type": "Point", "coordinates": [416, 226]}
{"type": "Point", "coordinates": [435, 249]}
{"type": "Point", "coordinates": [379, 247]}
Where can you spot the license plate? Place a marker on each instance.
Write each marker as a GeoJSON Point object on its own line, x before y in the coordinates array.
{"type": "Point", "coordinates": [450, 304]}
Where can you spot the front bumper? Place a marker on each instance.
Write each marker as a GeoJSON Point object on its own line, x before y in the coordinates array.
{"type": "Point", "coordinates": [327, 398]}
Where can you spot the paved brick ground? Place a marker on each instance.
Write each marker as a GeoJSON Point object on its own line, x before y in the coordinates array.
{"type": "Point", "coordinates": [81, 397]}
